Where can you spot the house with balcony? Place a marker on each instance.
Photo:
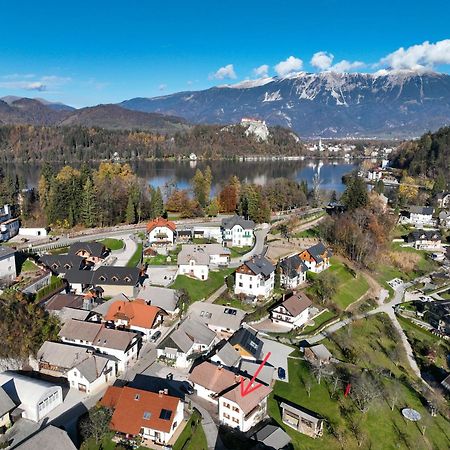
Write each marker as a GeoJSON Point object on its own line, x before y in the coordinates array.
{"type": "Point", "coordinates": [238, 232]}
{"type": "Point", "coordinates": [222, 387]}
{"type": "Point", "coordinates": [418, 216]}
{"type": "Point", "coordinates": [425, 240]}
{"type": "Point", "coordinates": [316, 258]}
{"type": "Point", "coordinates": [155, 417]}
{"type": "Point", "coordinates": [292, 272]}
{"type": "Point", "coordinates": [161, 232]}
{"type": "Point", "coordinates": [255, 278]}
{"type": "Point", "coordinates": [292, 312]}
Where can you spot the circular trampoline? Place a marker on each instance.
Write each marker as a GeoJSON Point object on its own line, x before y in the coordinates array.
{"type": "Point", "coordinates": [411, 414]}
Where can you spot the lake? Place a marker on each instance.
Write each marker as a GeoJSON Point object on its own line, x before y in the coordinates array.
{"type": "Point", "coordinates": [157, 173]}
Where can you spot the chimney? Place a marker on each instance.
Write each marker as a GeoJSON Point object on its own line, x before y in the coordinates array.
{"type": "Point", "coordinates": [166, 391]}
{"type": "Point", "coordinates": [160, 393]}
{"type": "Point", "coordinates": [220, 367]}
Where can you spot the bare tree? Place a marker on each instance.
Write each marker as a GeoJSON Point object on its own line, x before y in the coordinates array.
{"type": "Point", "coordinates": [393, 393]}
{"type": "Point", "coordinates": [364, 391]}
{"type": "Point", "coordinates": [308, 385]}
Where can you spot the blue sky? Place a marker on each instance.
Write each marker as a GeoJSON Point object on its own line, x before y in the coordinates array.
{"type": "Point", "coordinates": [90, 52]}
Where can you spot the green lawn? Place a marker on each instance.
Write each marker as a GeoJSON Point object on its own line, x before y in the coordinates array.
{"type": "Point", "coordinates": [325, 316]}
{"type": "Point", "coordinates": [237, 252]}
{"type": "Point", "coordinates": [234, 303]}
{"type": "Point", "coordinates": [192, 437]}
{"type": "Point", "coordinates": [310, 233]}
{"type": "Point", "coordinates": [161, 260]}
{"type": "Point", "coordinates": [59, 251]}
{"type": "Point", "coordinates": [383, 429]}
{"type": "Point", "coordinates": [198, 289]}
{"type": "Point", "coordinates": [28, 266]}
{"type": "Point", "coordinates": [136, 258]}
{"type": "Point", "coordinates": [112, 244]}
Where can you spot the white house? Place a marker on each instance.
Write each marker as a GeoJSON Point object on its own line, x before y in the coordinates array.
{"type": "Point", "coordinates": [419, 216]}
{"type": "Point", "coordinates": [443, 199]}
{"type": "Point", "coordinates": [425, 240]}
{"type": "Point", "coordinates": [292, 272]}
{"type": "Point", "coordinates": [123, 345]}
{"type": "Point", "coordinates": [161, 231]}
{"type": "Point", "coordinates": [9, 225]}
{"type": "Point", "coordinates": [192, 338]}
{"type": "Point", "coordinates": [153, 416]}
{"type": "Point", "coordinates": [85, 370]}
{"type": "Point", "coordinates": [292, 312]}
{"type": "Point", "coordinates": [8, 270]}
{"type": "Point", "coordinates": [221, 387]}
{"type": "Point", "coordinates": [34, 397]}
{"type": "Point", "coordinates": [195, 260]}
{"type": "Point", "coordinates": [255, 278]}
{"type": "Point", "coordinates": [238, 232]}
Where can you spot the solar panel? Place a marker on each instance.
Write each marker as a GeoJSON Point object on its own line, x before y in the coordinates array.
{"type": "Point", "coordinates": [165, 414]}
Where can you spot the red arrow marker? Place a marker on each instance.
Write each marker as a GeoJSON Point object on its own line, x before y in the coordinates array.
{"type": "Point", "coordinates": [245, 390]}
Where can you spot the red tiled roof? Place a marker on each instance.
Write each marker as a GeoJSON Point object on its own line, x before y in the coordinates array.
{"type": "Point", "coordinates": [161, 222]}
{"type": "Point", "coordinates": [137, 312]}
{"type": "Point", "coordinates": [130, 404]}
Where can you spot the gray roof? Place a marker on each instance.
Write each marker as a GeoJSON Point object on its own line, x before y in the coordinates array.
{"type": "Point", "coordinates": [200, 253]}
{"type": "Point", "coordinates": [321, 352]}
{"type": "Point", "coordinates": [301, 412]}
{"type": "Point", "coordinates": [62, 355]}
{"type": "Point", "coordinates": [164, 298]}
{"type": "Point", "coordinates": [94, 248]}
{"type": "Point", "coordinates": [6, 404]}
{"type": "Point", "coordinates": [292, 266]}
{"type": "Point", "coordinates": [6, 251]}
{"type": "Point", "coordinates": [247, 339]}
{"type": "Point", "coordinates": [425, 210]}
{"type": "Point", "coordinates": [260, 265]}
{"type": "Point", "coordinates": [420, 235]}
{"type": "Point", "coordinates": [316, 251]}
{"type": "Point", "coordinates": [264, 376]}
{"type": "Point", "coordinates": [190, 331]}
{"type": "Point", "coordinates": [227, 353]}
{"type": "Point", "coordinates": [66, 314]}
{"type": "Point", "coordinates": [62, 263]}
{"type": "Point", "coordinates": [272, 436]}
{"type": "Point", "coordinates": [49, 437]}
{"type": "Point", "coordinates": [91, 368]}
{"type": "Point", "coordinates": [105, 275]}
{"type": "Point", "coordinates": [60, 301]}
{"type": "Point", "coordinates": [230, 222]}
{"type": "Point", "coordinates": [103, 308]}
{"type": "Point", "coordinates": [218, 315]}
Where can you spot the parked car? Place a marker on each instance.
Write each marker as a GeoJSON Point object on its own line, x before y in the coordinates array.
{"type": "Point", "coordinates": [281, 373]}
{"type": "Point", "coordinates": [155, 336]}
{"type": "Point", "coordinates": [187, 387]}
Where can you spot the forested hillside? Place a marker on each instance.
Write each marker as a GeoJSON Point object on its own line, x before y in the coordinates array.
{"type": "Point", "coordinates": [26, 143]}
{"type": "Point", "coordinates": [429, 156]}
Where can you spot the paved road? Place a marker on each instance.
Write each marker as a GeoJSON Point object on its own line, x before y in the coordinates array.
{"type": "Point", "coordinates": [129, 248]}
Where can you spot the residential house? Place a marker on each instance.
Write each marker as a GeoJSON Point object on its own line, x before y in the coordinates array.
{"type": "Point", "coordinates": [219, 318]}
{"type": "Point", "coordinates": [222, 387]}
{"type": "Point", "coordinates": [443, 200]}
{"type": "Point", "coordinates": [425, 239]}
{"type": "Point", "coordinates": [50, 437]}
{"type": "Point", "coordinates": [437, 314]}
{"type": "Point", "coordinates": [60, 264]}
{"type": "Point", "coordinates": [247, 343]}
{"type": "Point", "coordinates": [318, 355]}
{"type": "Point", "coordinates": [33, 397]}
{"type": "Point", "coordinates": [316, 258]}
{"type": "Point", "coordinates": [301, 419]}
{"type": "Point", "coordinates": [238, 232]}
{"type": "Point", "coordinates": [184, 236]}
{"type": "Point", "coordinates": [189, 340]}
{"type": "Point", "coordinates": [292, 272]}
{"type": "Point", "coordinates": [421, 215]}
{"type": "Point", "coordinates": [444, 219]}
{"type": "Point", "coordinates": [255, 278]}
{"type": "Point", "coordinates": [161, 231]}
{"type": "Point", "coordinates": [164, 298]}
{"type": "Point", "coordinates": [292, 312]}
{"type": "Point", "coordinates": [446, 383]}
{"type": "Point", "coordinates": [153, 416]}
{"type": "Point", "coordinates": [75, 301]}
{"type": "Point", "coordinates": [135, 315]}
{"type": "Point", "coordinates": [272, 437]}
{"type": "Point", "coordinates": [124, 345]}
{"type": "Point", "coordinates": [86, 370]}
{"type": "Point", "coordinates": [263, 374]}
{"type": "Point", "coordinates": [8, 271]}
{"type": "Point", "coordinates": [113, 280]}
{"type": "Point", "coordinates": [92, 252]}
{"type": "Point", "coordinates": [224, 354]}
{"type": "Point", "coordinates": [9, 225]}
{"type": "Point", "coordinates": [196, 260]}
{"type": "Point", "coordinates": [6, 407]}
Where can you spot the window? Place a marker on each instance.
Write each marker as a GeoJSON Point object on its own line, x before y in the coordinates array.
{"type": "Point", "coordinates": [235, 409]}
{"type": "Point", "coordinates": [137, 397]}
{"type": "Point", "coordinates": [227, 416]}
{"type": "Point", "coordinates": [147, 415]}
{"type": "Point", "coordinates": [240, 284]}
{"type": "Point", "coordinates": [235, 420]}
{"type": "Point", "coordinates": [165, 414]}
{"type": "Point", "coordinates": [227, 405]}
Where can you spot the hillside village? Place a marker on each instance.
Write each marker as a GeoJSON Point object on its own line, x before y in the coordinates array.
{"type": "Point", "coordinates": [225, 332]}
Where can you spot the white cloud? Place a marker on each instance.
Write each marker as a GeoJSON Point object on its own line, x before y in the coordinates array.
{"type": "Point", "coordinates": [322, 60]}
{"type": "Point", "coordinates": [286, 67]}
{"type": "Point", "coordinates": [162, 87]}
{"type": "Point", "coordinates": [346, 66]}
{"type": "Point", "coordinates": [261, 71]}
{"type": "Point", "coordinates": [420, 56]}
{"type": "Point", "coordinates": [23, 82]}
{"type": "Point", "coordinates": [224, 72]}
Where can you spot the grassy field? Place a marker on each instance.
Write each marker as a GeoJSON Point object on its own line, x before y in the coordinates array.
{"type": "Point", "coordinates": [237, 252]}
{"type": "Point", "coordinates": [325, 316]}
{"type": "Point", "coordinates": [112, 244]}
{"type": "Point", "coordinates": [161, 260]}
{"type": "Point", "coordinates": [380, 428]}
{"type": "Point", "coordinates": [234, 303]}
{"type": "Point", "coordinates": [198, 289]}
{"type": "Point", "coordinates": [136, 258]}
{"type": "Point", "coordinates": [28, 266]}
{"type": "Point", "coordinates": [192, 437]}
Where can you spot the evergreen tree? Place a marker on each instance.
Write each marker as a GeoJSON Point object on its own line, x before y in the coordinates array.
{"type": "Point", "coordinates": [355, 195]}
{"type": "Point", "coordinates": [156, 203]}
{"type": "Point", "coordinates": [198, 187]}
{"type": "Point", "coordinates": [130, 214]}
{"type": "Point", "coordinates": [88, 213]}
{"type": "Point", "coordinates": [379, 187]}
{"type": "Point", "coordinates": [213, 208]}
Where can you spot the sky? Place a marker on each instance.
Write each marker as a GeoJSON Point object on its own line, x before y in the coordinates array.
{"type": "Point", "coordinates": [89, 52]}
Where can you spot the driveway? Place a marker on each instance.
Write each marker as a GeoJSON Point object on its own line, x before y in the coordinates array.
{"type": "Point", "coordinates": [279, 355]}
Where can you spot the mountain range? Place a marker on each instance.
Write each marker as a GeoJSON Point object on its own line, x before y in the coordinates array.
{"type": "Point", "coordinates": [394, 104]}
{"type": "Point", "coordinates": [328, 104]}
